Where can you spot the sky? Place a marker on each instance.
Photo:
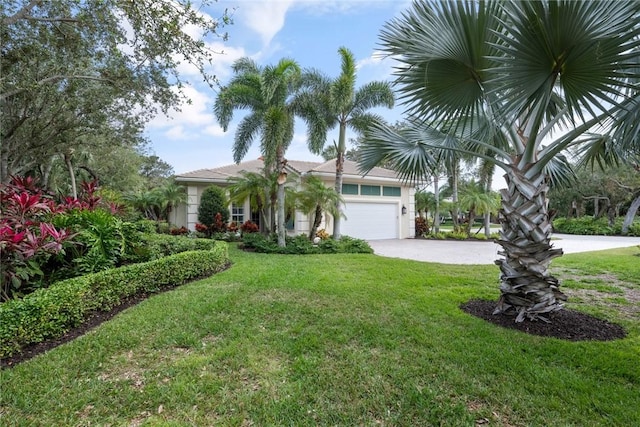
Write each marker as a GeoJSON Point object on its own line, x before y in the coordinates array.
{"type": "Point", "coordinates": [308, 31]}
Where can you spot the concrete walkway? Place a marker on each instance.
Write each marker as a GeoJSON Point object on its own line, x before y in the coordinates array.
{"type": "Point", "coordinates": [472, 252]}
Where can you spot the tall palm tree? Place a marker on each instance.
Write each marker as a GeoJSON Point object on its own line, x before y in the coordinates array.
{"type": "Point", "coordinates": [348, 108]}
{"type": "Point", "coordinates": [316, 198]}
{"type": "Point", "coordinates": [519, 71]}
{"type": "Point", "coordinates": [269, 93]}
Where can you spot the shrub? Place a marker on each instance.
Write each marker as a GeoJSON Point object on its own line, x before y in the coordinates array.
{"type": "Point", "coordinates": [27, 237]}
{"type": "Point", "coordinates": [322, 234]}
{"type": "Point", "coordinates": [422, 227]}
{"type": "Point", "coordinates": [249, 227]}
{"type": "Point", "coordinates": [179, 231]}
{"type": "Point", "coordinates": [213, 201]}
{"type": "Point", "coordinates": [155, 246]}
{"type": "Point", "coordinates": [301, 245]}
{"type": "Point", "coordinates": [585, 225]}
{"type": "Point", "coordinates": [350, 245]}
{"type": "Point", "coordinates": [145, 226]}
{"type": "Point", "coordinates": [49, 313]}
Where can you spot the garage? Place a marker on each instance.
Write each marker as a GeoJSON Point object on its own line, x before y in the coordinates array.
{"type": "Point", "coordinates": [370, 221]}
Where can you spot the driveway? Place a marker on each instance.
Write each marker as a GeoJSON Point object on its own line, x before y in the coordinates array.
{"type": "Point", "coordinates": [479, 252]}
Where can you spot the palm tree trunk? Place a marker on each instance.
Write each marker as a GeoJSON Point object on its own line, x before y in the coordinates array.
{"type": "Point", "coordinates": [436, 193]}
{"type": "Point", "coordinates": [631, 213]}
{"type": "Point", "coordinates": [72, 175]}
{"type": "Point", "coordinates": [527, 289]}
{"type": "Point", "coordinates": [455, 213]}
{"type": "Point", "coordinates": [282, 179]}
{"type": "Point", "coordinates": [339, 170]}
{"type": "Point", "coordinates": [317, 219]}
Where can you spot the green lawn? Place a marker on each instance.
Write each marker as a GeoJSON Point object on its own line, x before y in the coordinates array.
{"type": "Point", "coordinates": [339, 340]}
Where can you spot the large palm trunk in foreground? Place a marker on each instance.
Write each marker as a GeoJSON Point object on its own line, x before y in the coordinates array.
{"type": "Point", "coordinates": [527, 289]}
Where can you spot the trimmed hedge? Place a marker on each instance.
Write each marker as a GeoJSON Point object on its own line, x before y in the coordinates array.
{"type": "Point", "coordinates": [587, 225]}
{"type": "Point", "coordinates": [156, 246]}
{"type": "Point", "coordinates": [301, 245]}
{"type": "Point", "coordinates": [49, 313]}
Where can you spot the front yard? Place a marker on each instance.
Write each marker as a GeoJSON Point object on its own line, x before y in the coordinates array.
{"type": "Point", "coordinates": [339, 340]}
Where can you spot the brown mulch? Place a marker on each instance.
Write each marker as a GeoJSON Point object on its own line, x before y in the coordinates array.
{"type": "Point", "coordinates": [95, 319]}
{"type": "Point", "coordinates": [566, 324]}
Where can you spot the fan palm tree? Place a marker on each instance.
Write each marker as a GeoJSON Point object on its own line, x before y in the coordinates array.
{"type": "Point", "coordinates": [478, 74]}
{"type": "Point", "coordinates": [269, 93]}
{"type": "Point", "coordinates": [345, 106]}
{"type": "Point", "coordinates": [316, 198]}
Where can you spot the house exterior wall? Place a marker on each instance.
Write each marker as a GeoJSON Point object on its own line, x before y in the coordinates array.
{"type": "Point", "coordinates": [187, 215]}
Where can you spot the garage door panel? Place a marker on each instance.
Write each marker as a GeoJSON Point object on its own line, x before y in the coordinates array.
{"type": "Point", "coordinates": [371, 220]}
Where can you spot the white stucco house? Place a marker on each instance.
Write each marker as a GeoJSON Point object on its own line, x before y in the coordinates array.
{"type": "Point", "coordinates": [377, 206]}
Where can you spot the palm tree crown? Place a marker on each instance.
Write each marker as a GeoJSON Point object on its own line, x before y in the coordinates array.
{"type": "Point", "coordinates": [341, 104]}
{"type": "Point", "coordinates": [269, 93]}
{"type": "Point", "coordinates": [516, 84]}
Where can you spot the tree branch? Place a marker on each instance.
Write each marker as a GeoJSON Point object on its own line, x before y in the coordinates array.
{"type": "Point", "coordinates": [22, 13]}
{"type": "Point", "coordinates": [51, 79]}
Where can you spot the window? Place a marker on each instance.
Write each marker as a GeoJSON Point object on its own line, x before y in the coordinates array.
{"type": "Point", "coordinates": [349, 188]}
{"type": "Point", "coordinates": [391, 191]}
{"type": "Point", "coordinates": [237, 214]}
{"type": "Point", "coordinates": [255, 218]}
{"type": "Point", "coordinates": [370, 190]}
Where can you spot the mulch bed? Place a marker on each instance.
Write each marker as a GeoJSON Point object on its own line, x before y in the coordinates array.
{"type": "Point", "coordinates": [565, 324]}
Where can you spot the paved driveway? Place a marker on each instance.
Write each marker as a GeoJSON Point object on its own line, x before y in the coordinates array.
{"type": "Point", "coordinates": [479, 252]}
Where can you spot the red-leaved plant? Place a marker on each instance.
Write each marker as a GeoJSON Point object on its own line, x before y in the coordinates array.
{"type": "Point", "coordinates": [27, 238]}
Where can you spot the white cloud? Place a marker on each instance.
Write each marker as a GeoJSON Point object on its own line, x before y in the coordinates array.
{"type": "Point", "coordinates": [214, 130]}
{"type": "Point", "coordinates": [265, 18]}
{"type": "Point", "coordinates": [176, 132]}
{"type": "Point", "coordinates": [196, 113]}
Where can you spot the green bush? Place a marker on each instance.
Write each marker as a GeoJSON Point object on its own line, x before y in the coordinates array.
{"type": "Point", "coordinates": [301, 245]}
{"type": "Point", "coordinates": [145, 226]}
{"type": "Point", "coordinates": [585, 225]}
{"type": "Point", "coordinates": [212, 202]}
{"type": "Point", "coordinates": [49, 313]}
{"type": "Point", "coordinates": [155, 246]}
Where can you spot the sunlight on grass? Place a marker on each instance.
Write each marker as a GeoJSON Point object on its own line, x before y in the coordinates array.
{"type": "Point", "coordinates": [335, 340]}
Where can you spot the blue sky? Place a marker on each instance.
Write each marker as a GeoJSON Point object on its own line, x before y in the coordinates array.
{"type": "Point", "coordinates": [308, 31]}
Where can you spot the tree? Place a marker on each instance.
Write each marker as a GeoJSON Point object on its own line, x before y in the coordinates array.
{"type": "Point", "coordinates": [73, 70]}
{"type": "Point", "coordinates": [256, 187]}
{"type": "Point", "coordinates": [476, 200]}
{"type": "Point", "coordinates": [501, 78]}
{"type": "Point", "coordinates": [347, 107]}
{"type": "Point", "coordinates": [213, 201]}
{"type": "Point", "coordinates": [270, 94]}
{"type": "Point", "coordinates": [316, 198]}
{"type": "Point", "coordinates": [170, 195]}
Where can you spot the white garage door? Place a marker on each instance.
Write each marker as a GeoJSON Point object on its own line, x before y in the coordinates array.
{"type": "Point", "coordinates": [370, 220]}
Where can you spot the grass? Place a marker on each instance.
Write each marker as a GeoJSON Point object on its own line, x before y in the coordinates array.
{"type": "Point", "coordinates": [333, 340]}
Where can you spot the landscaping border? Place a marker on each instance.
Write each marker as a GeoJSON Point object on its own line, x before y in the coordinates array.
{"type": "Point", "coordinates": [49, 313]}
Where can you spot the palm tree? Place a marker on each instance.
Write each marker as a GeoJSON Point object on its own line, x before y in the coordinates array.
{"type": "Point", "coordinates": [473, 74]}
{"type": "Point", "coordinates": [346, 107]}
{"type": "Point", "coordinates": [169, 195]}
{"type": "Point", "coordinates": [316, 198]}
{"type": "Point", "coordinates": [476, 200]}
{"type": "Point", "coordinates": [269, 93]}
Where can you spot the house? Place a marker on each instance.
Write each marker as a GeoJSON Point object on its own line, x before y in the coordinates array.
{"type": "Point", "coordinates": [377, 206]}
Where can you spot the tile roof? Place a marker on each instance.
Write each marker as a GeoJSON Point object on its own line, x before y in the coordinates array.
{"type": "Point", "coordinates": [222, 173]}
